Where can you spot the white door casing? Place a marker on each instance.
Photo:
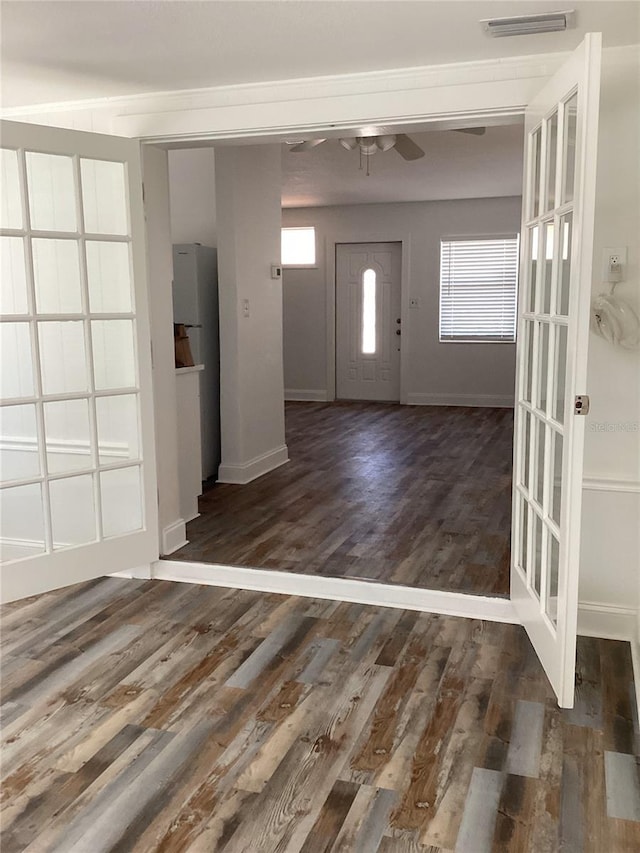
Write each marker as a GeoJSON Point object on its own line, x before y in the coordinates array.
{"type": "Point", "coordinates": [78, 496]}
{"type": "Point", "coordinates": [368, 321]}
{"type": "Point", "coordinates": [561, 129]}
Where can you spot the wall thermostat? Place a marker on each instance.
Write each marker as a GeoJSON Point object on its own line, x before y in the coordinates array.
{"type": "Point", "coordinates": [276, 271]}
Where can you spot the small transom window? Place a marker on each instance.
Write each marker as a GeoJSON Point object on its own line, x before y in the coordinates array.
{"type": "Point", "coordinates": [298, 247]}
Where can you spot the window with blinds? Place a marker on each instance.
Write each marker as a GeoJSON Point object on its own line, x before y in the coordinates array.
{"type": "Point", "coordinates": [478, 289]}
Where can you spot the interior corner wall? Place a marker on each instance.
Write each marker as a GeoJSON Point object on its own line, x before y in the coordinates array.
{"type": "Point", "coordinates": [160, 271]}
{"type": "Point", "coordinates": [470, 374]}
{"type": "Point", "coordinates": [192, 190]}
{"type": "Point", "coordinates": [610, 553]}
{"type": "Point", "coordinates": [248, 186]}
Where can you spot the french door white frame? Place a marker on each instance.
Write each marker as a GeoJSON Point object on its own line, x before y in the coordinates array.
{"type": "Point", "coordinates": [105, 552]}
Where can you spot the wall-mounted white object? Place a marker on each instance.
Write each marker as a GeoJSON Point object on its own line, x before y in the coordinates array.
{"type": "Point", "coordinates": [614, 265]}
{"type": "Point", "coordinates": [615, 320]}
{"type": "Point", "coordinates": [276, 271]}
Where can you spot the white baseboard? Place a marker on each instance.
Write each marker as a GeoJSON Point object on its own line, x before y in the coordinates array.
{"type": "Point", "coordinates": [607, 621]}
{"type": "Point", "coordinates": [338, 589]}
{"type": "Point", "coordinates": [305, 395]}
{"type": "Point", "coordinates": [254, 468]}
{"type": "Point", "coordinates": [174, 536]}
{"type": "Point", "coordinates": [505, 401]}
{"type": "Point", "coordinates": [141, 572]}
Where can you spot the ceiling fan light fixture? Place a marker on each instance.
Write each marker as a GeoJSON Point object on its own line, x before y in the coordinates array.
{"type": "Point", "coordinates": [520, 25]}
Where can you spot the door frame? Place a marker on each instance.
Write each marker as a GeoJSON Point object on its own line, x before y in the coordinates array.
{"type": "Point", "coordinates": [336, 239]}
{"type": "Point", "coordinates": [466, 92]}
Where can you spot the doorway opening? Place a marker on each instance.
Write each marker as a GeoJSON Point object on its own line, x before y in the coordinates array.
{"type": "Point", "coordinates": [400, 443]}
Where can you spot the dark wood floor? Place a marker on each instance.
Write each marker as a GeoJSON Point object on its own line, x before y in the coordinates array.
{"type": "Point", "coordinates": [152, 716]}
{"type": "Point", "coordinates": [402, 494]}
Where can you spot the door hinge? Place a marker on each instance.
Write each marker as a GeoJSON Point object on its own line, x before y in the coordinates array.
{"type": "Point", "coordinates": [581, 404]}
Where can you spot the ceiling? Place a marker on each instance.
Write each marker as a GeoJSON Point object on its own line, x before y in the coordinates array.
{"type": "Point", "coordinates": [65, 50]}
{"type": "Point", "coordinates": [455, 165]}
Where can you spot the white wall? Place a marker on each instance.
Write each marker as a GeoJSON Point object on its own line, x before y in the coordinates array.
{"type": "Point", "coordinates": [160, 267]}
{"type": "Point", "coordinates": [192, 191]}
{"type": "Point", "coordinates": [435, 372]}
{"type": "Point", "coordinates": [248, 180]}
{"type": "Point", "coordinates": [610, 557]}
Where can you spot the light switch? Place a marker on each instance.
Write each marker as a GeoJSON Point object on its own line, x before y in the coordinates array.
{"type": "Point", "coordinates": [245, 307]}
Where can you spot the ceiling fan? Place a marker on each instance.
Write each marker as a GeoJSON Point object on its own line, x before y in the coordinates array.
{"type": "Point", "coordinates": [368, 145]}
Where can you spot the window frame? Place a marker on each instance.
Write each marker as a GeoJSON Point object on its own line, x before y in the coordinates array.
{"type": "Point", "coordinates": [510, 235]}
{"type": "Point", "coordinates": [300, 266]}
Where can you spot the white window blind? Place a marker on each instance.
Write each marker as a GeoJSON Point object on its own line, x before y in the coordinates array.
{"type": "Point", "coordinates": [478, 289]}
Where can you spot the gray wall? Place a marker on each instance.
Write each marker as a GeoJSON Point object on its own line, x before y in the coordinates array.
{"type": "Point", "coordinates": [437, 373]}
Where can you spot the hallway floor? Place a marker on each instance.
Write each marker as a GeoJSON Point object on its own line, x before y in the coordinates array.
{"type": "Point", "coordinates": [149, 716]}
{"type": "Point", "coordinates": [411, 495]}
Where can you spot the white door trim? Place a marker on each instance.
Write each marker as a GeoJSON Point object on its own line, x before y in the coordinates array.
{"type": "Point", "coordinates": [338, 589]}
{"type": "Point", "coordinates": [359, 236]}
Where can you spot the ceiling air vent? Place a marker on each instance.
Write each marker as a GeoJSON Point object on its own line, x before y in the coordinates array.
{"type": "Point", "coordinates": [520, 25]}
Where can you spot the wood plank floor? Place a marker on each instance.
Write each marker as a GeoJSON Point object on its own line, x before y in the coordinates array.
{"type": "Point", "coordinates": [412, 495]}
{"type": "Point", "coordinates": [152, 716]}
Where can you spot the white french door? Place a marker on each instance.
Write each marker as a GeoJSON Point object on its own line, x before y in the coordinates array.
{"type": "Point", "coordinates": [368, 321]}
{"type": "Point", "coordinates": [561, 128]}
{"type": "Point", "coordinates": [77, 458]}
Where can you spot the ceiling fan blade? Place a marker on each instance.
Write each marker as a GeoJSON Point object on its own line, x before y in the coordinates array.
{"type": "Point", "coordinates": [407, 148]}
{"type": "Point", "coordinates": [349, 142]}
{"type": "Point", "coordinates": [476, 131]}
{"type": "Point", "coordinates": [307, 145]}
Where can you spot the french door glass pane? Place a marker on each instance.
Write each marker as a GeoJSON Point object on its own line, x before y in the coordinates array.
{"type": "Point", "coordinates": [68, 436]}
{"type": "Point", "coordinates": [52, 192]}
{"type": "Point", "coordinates": [569, 155]}
{"type": "Point", "coordinates": [113, 354]}
{"type": "Point", "coordinates": [564, 264]}
{"type": "Point", "coordinates": [13, 286]}
{"type": "Point", "coordinates": [73, 516]}
{"type": "Point", "coordinates": [543, 361]}
{"type": "Point", "coordinates": [552, 146]}
{"type": "Point", "coordinates": [10, 197]}
{"type": "Point", "coordinates": [524, 538]}
{"type": "Point", "coordinates": [556, 474]}
{"type": "Point", "coordinates": [63, 357]}
{"type": "Point", "coordinates": [534, 249]}
{"type": "Point", "coordinates": [537, 554]}
{"type": "Point", "coordinates": [109, 277]}
{"type": "Point", "coordinates": [553, 562]}
{"type": "Point", "coordinates": [16, 365]}
{"type": "Point", "coordinates": [118, 433]}
{"type": "Point", "coordinates": [529, 331]}
{"type": "Point", "coordinates": [19, 457]}
{"type": "Point", "coordinates": [545, 308]}
{"type": "Point", "coordinates": [104, 197]}
{"type": "Point", "coordinates": [121, 495]}
{"type": "Point", "coordinates": [560, 367]}
{"type": "Point", "coordinates": [540, 456]}
{"type": "Point", "coordinates": [526, 445]}
{"type": "Point", "coordinates": [21, 522]}
{"type": "Point", "coordinates": [536, 142]}
{"type": "Point", "coordinates": [56, 273]}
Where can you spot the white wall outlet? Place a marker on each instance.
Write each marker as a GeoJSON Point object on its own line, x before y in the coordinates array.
{"type": "Point", "coordinates": [245, 307]}
{"type": "Point", "coordinates": [414, 302]}
{"type": "Point", "coordinates": [614, 263]}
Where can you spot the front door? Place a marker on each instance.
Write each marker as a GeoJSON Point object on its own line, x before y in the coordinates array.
{"type": "Point", "coordinates": [78, 491]}
{"type": "Point", "coordinates": [368, 321]}
{"type": "Point", "coordinates": [561, 129]}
